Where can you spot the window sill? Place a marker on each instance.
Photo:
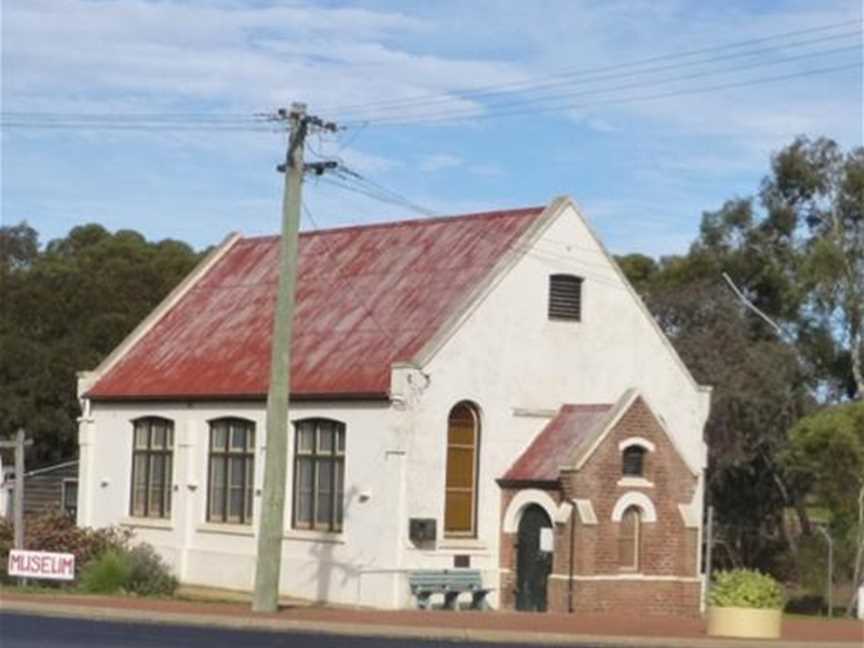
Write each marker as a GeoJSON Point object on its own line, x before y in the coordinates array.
{"type": "Point", "coordinates": [635, 482]}
{"type": "Point", "coordinates": [332, 537]}
{"type": "Point", "coordinates": [165, 524]}
{"type": "Point", "coordinates": [463, 543]}
{"type": "Point", "coordinates": [226, 529]}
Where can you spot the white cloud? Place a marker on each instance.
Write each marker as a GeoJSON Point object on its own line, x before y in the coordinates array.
{"type": "Point", "coordinates": [234, 56]}
{"type": "Point", "coordinates": [159, 54]}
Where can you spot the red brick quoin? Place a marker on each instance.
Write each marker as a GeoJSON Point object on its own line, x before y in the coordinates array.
{"type": "Point", "coordinates": [582, 442]}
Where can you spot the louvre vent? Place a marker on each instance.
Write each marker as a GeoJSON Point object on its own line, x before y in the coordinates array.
{"type": "Point", "coordinates": [565, 297]}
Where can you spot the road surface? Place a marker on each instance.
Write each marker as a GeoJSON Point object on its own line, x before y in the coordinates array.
{"type": "Point", "coordinates": [26, 631]}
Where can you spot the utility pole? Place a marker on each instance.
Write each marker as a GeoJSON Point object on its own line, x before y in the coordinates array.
{"type": "Point", "coordinates": [272, 524]}
{"type": "Point", "coordinates": [829, 579]}
{"type": "Point", "coordinates": [709, 552]}
{"type": "Point", "coordinates": [19, 444]}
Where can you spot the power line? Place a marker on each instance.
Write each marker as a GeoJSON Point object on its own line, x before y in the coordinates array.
{"type": "Point", "coordinates": [472, 91]}
{"type": "Point", "coordinates": [451, 116]}
{"type": "Point", "coordinates": [533, 251]}
{"type": "Point", "coordinates": [445, 118]}
{"type": "Point", "coordinates": [590, 78]}
{"type": "Point", "coordinates": [94, 125]}
{"type": "Point", "coordinates": [196, 120]}
{"type": "Point", "coordinates": [655, 82]}
{"type": "Point", "coordinates": [138, 116]}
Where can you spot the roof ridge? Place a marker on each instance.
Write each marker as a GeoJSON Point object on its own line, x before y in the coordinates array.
{"type": "Point", "coordinates": [416, 222]}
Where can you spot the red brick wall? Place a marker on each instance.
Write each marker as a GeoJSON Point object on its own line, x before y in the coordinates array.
{"type": "Point", "coordinates": [662, 598]}
{"type": "Point", "coordinates": [668, 548]}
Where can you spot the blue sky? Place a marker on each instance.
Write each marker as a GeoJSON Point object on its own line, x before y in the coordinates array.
{"type": "Point", "coordinates": [643, 170]}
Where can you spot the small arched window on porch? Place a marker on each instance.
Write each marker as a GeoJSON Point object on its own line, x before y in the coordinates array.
{"type": "Point", "coordinates": [460, 493]}
{"type": "Point", "coordinates": [629, 539]}
{"type": "Point", "coordinates": [633, 461]}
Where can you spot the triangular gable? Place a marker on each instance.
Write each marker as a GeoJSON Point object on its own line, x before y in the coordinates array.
{"type": "Point", "coordinates": [638, 301]}
{"type": "Point", "coordinates": [589, 444]}
{"type": "Point", "coordinates": [473, 299]}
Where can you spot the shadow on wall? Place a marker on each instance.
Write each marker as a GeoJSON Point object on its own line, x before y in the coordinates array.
{"type": "Point", "coordinates": [327, 567]}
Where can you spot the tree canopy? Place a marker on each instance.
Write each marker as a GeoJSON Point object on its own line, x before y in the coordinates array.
{"type": "Point", "coordinates": [796, 251]}
{"type": "Point", "coordinates": [826, 450]}
{"type": "Point", "coordinates": [65, 307]}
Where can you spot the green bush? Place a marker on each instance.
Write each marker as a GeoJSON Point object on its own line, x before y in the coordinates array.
{"type": "Point", "coordinates": [108, 574]}
{"type": "Point", "coordinates": [150, 576]}
{"type": "Point", "coordinates": [745, 588]}
{"type": "Point", "coordinates": [139, 571]}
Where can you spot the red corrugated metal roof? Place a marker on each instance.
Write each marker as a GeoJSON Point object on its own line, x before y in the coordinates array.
{"type": "Point", "coordinates": [367, 296]}
{"type": "Point", "coordinates": [542, 460]}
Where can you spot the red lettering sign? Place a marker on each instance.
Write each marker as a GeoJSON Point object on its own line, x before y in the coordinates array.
{"type": "Point", "coordinates": [41, 564]}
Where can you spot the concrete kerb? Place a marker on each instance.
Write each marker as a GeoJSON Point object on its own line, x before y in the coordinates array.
{"type": "Point", "coordinates": [269, 624]}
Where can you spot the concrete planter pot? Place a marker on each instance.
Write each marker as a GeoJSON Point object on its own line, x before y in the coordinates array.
{"type": "Point", "coordinates": [748, 623]}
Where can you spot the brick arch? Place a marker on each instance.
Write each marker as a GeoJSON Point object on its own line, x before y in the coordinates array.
{"type": "Point", "coordinates": [642, 442]}
{"type": "Point", "coordinates": [639, 500]}
{"type": "Point", "coordinates": [521, 501]}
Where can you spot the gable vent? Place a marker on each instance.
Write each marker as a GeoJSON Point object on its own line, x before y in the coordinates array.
{"type": "Point", "coordinates": [565, 297]}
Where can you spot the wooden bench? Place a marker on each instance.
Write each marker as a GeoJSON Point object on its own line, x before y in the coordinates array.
{"type": "Point", "coordinates": [451, 583]}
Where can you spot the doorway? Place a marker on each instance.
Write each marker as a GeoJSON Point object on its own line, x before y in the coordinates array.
{"type": "Point", "coordinates": [532, 565]}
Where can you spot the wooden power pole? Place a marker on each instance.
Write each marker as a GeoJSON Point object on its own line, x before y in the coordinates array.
{"type": "Point", "coordinates": [19, 444]}
{"type": "Point", "coordinates": [272, 524]}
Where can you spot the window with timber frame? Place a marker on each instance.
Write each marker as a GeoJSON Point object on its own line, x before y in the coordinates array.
{"type": "Point", "coordinates": [633, 461]}
{"type": "Point", "coordinates": [319, 475]}
{"type": "Point", "coordinates": [460, 491]}
{"type": "Point", "coordinates": [152, 464]}
{"type": "Point", "coordinates": [231, 471]}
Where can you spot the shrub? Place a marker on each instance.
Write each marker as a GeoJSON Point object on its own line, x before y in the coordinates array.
{"type": "Point", "coordinates": [139, 571]}
{"type": "Point", "coordinates": [109, 573]}
{"type": "Point", "coordinates": [56, 531]}
{"type": "Point", "coordinates": [150, 576]}
{"type": "Point", "coordinates": [745, 588]}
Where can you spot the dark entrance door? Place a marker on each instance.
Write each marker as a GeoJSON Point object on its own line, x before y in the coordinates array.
{"type": "Point", "coordinates": [532, 565]}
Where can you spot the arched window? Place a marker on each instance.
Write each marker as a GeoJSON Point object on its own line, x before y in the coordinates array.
{"type": "Point", "coordinates": [463, 442]}
{"type": "Point", "coordinates": [231, 471]}
{"type": "Point", "coordinates": [633, 461]}
{"type": "Point", "coordinates": [152, 459]}
{"type": "Point", "coordinates": [319, 474]}
{"type": "Point", "coordinates": [629, 532]}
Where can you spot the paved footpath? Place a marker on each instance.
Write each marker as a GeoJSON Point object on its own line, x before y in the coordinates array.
{"type": "Point", "coordinates": [498, 627]}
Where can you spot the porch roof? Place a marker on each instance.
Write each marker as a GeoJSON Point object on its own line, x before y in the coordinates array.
{"type": "Point", "coordinates": [572, 425]}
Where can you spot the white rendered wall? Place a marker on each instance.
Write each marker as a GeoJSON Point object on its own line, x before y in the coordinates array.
{"type": "Point", "coordinates": [507, 355]}
{"type": "Point", "coordinates": [355, 566]}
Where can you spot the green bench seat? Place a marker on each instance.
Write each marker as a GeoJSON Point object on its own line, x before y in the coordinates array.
{"type": "Point", "coordinates": [450, 583]}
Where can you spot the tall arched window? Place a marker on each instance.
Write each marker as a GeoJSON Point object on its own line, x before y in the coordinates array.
{"type": "Point", "coordinates": [152, 454]}
{"type": "Point", "coordinates": [463, 443]}
{"type": "Point", "coordinates": [629, 532]}
{"type": "Point", "coordinates": [231, 471]}
{"type": "Point", "coordinates": [319, 474]}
